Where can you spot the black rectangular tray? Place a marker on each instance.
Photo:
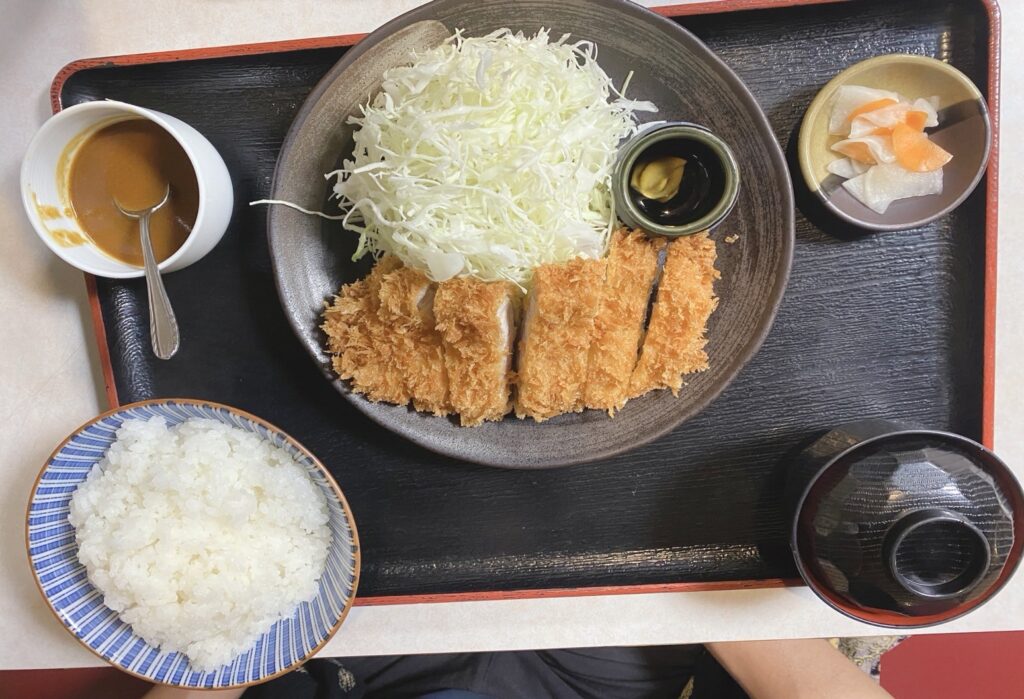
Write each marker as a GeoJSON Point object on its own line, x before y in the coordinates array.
{"type": "Point", "coordinates": [890, 325]}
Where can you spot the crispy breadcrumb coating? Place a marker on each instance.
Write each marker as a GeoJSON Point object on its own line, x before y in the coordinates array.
{"type": "Point", "coordinates": [360, 342]}
{"type": "Point", "coordinates": [476, 321]}
{"type": "Point", "coordinates": [676, 333]}
{"type": "Point", "coordinates": [406, 300]}
{"type": "Point", "coordinates": [557, 330]}
{"type": "Point", "coordinates": [619, 325]}
{"type": "Point", "coordinates": [400, 338]}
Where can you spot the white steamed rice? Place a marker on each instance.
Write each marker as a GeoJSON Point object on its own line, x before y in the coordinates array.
{"type": "Point", "coordinates": [201, 536]}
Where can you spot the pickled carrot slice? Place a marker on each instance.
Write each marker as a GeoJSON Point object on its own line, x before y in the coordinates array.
{"type": "Point", "coordinates": [915, 152]}
{"type": "Point", "coordinates": [870, 107]}
{"type": "Point", "coordinates": [916, 120]}
{"type": "Point", "coordinates": [857, 151]}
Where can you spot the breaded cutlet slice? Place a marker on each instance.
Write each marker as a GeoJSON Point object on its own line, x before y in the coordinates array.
{"type": "Point", "coordinates": [557, 329]}
{"type": "Point", "coordinates": [676, 333]}
{"type": "Point", "coordinates": [632, 263]}
{"type": "Point", "coordinates": [406, 309]}
{"type": "Point", "coordinates": [359, 340]}
{"type": "Point", "coordinates": [476, 321]}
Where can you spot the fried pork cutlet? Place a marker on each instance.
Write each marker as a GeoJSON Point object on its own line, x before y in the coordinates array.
{"type": "Point", "coordinates": [360, 342]}
{"type": "Point", "coordinates": [557, 329]}
{"type": "Point", "coordinates": [406, 309]}
{"type": "Point", "coordinates": [674, 344]}
{"type": "Point", "coordinates": [619, 325]}
{"type": "Point", "coordinates": [476, 321]}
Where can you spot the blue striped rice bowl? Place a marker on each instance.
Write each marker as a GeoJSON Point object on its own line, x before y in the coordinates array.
{"type": "Point", "coordinates": [53, 554]}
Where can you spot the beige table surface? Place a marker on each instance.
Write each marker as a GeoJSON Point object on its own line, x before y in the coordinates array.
{"type": "Point", "coordinates": [49, 378]}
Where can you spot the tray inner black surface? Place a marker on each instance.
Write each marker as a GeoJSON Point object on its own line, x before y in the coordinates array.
{"type": "Point", "coordinates": [886, 325]}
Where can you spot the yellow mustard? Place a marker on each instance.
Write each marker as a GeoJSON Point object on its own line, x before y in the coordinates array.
{"type": "Point", "coordinates": [658, 179]}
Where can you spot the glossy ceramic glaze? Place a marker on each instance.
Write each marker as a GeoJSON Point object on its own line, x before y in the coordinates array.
{"type": "Point", "coordinates": [726, 186]}
{"type": "Point", "coordinates": [53, 554]}
{"type": "Point", "coordinates": [41, 191]}
{"type": "Point", "coordinates": [312, 257]}
{"type": "Point", "coordinates": [903, 527]}
{"type": "Point", "coordinates": [964, 130]}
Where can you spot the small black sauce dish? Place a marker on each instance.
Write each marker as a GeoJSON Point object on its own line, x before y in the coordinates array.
{"type": "Point", "coordinates": [704, 196]}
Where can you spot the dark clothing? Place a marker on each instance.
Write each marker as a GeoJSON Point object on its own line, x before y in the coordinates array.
{"type": "Point", "coordinates": [661, 672]}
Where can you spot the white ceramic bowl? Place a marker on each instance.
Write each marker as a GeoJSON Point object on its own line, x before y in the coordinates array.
{"type": "Point", "coordinates": [41, 188]}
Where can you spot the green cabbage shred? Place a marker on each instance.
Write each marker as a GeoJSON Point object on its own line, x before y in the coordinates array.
{"type": "Point", "coordinates": [488, 156]}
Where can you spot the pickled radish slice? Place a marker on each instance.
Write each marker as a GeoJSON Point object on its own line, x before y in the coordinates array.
{"type": "Point", "coordinates": [930, 107]}
{"type": "Point", "coordinates": [847, 168]}
{"type": "Point", "coordinates": [888, 153]}
{"type": "Point", "coordinates": [883, 184]}
{"type": "Point", "coordinates": [915, 152]}
{"type": "Point", "coordinates": [850, 97]}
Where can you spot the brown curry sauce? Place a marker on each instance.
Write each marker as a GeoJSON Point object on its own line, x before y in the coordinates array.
{"type": "Point", "coordinates": [132, 161]}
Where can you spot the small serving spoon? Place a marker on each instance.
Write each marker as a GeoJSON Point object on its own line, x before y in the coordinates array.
{"type": "Point", "coordinates": [163, 326]}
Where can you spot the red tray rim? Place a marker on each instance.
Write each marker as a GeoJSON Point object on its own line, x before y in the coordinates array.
{"type": "Point", "coordinates": [709, 7]}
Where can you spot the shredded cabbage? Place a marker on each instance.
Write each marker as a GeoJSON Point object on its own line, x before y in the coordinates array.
{"type": "Point", "coordinates": [488, 156]}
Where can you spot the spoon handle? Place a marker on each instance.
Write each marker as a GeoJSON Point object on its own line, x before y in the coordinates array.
{"type": "Point", "coordinates": [163, 326]}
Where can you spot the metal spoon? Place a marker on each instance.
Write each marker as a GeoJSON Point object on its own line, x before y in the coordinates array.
{"type": "Point", "coordinates": [163, 326]}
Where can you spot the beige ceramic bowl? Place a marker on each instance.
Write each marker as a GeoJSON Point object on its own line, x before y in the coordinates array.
{"type": "Point", "coordinates": [963, 130]}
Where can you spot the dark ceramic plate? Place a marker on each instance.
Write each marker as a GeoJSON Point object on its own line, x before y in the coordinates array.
{"type": "Point", "coordinates": [671, 67]}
